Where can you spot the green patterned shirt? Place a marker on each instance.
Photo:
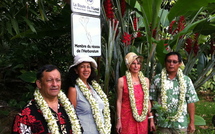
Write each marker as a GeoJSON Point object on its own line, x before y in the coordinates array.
{"type": "Point", "coordinates": [173, 93]}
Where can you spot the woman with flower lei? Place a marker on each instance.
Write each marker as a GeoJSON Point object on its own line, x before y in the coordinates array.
{"type": "Point", "coordinates": [90, 102]}
{"type": "Point", "coordinates": [133, 105]}
{"type": "Point", "coordinates": [50, 111]}
{"type": "Point", "coordinates": [175, 95]}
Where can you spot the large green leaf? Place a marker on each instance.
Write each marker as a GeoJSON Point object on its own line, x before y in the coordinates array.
{"type": "Point", "coordinates": [147, 7]}
{"type": "Point", "coordinates": [42, 10]}
{"type": "Point", "coordinates": [163, 17]}
{"type": "Point", "coordinates": [56, 26]}
{"type": "Point", "coordinates": [199, 120]}
{"type": "Point", "coordinates": [131, 2]}
{"type": "Point", "coordinates": [9, 28]}
{"type": "Point", "coordinates": [201, 63]}
{"type": "Point", "coordinates": [30, 24]}
{"type": "Point", "coordinates": [150, 10]}
{"type": "Point", "coordinates": [205, 28]}
{"type": "Point", "coordinates": [161, 51]}
{"type": "Point", "coordinates": [28, 76]}
{"type": "Point", "coordinates": [15, 25]}
{"type": "Point", "coordinates": [183, 7]}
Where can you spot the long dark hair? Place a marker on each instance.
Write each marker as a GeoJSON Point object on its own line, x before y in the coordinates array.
{"type": "Point", "coordinates": [71, 76]}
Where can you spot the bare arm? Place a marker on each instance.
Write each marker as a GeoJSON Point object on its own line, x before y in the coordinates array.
{"type": "Point", "coordinates": [150, 114]}
{"type": "Point", "coordinates": [191, 111]}
{"type": "Point", "coordinates": [119, 104]}
{"type": "Point", "coordinates": [72, 95]}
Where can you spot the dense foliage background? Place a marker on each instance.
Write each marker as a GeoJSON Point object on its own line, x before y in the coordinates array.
{"type": "Point", "coordinates": [34, 33]}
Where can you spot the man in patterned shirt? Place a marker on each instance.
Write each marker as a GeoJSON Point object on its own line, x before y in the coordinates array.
{"type": "Point", "coordinates": [175, 93]}
{"type": "Point", "coordinates": [32, 119]}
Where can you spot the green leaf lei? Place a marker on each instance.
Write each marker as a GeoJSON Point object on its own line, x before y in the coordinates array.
{"type": "Point", "coordinates": [103, 128]}
{"type": "Point", "coordinates": [50, 119]}
{"type": "Point", "coordinates": [136, 116]}
{"type": "Point", "coordinates": [181, 97]}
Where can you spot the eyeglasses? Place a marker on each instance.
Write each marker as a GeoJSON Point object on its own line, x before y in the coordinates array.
{"type": "Point", "coordinates": [172, 61]}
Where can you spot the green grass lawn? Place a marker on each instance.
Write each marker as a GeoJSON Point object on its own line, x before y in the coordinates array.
{"type": "Point", "coordinates": [205, 109]}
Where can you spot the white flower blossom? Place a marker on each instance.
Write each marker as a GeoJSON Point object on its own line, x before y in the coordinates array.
{"type": "Point", "coordinates": [136, 116]}
{"type": "Point", "coordinates": [103, 127]}
{"type": "Point", "coordinates": [51, 121]}
{"type": "Point", "coordinates": [181, 97]}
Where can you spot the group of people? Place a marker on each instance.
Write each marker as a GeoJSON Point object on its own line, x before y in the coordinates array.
{"type": "Point", "coordinates": [85, 107]}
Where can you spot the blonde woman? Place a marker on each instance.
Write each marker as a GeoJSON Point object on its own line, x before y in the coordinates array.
{"type": "Point", "coordinates": [133, 105]}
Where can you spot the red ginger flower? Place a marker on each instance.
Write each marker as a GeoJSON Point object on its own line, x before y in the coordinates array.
{"type": "Point", "coordinates": [135, 20]}
{"type": "Point", "coordinates": [167, 47]}
{"type": "Point", "coordinates": [171, 26]}
{"type": "Point", "coordinates": [126, 38]}
{"type": "Point", "coordinates": [188, 45]}
{"type": "Point", "coordinates": [196, 46]}
{"type": "Point", "coordinates": [192, 44]}
{"type": "Point", "coordinates": [212, 46]}
{"type": "Point", "coordinates": [180, 25]}
{"type": "Point", "coordinates": [139, 34]}
{"type": "Point", "coordinates": [123, 7]}
{"type": "Point", "coordinates": [154, 32]}
{"type": "Point", "coordinates": [135, 28]}
{"type": "Point", "coordinates": [108, 9]}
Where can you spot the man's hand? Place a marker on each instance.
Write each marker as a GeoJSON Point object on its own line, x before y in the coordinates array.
{"type": "Point", "coordinates": [191, 128]}
{"type": "Point", "coordinates": [191, 111]}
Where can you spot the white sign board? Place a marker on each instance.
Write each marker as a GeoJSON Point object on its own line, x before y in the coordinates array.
{"type": "Point", "coordinates": [91, 7]}
{"type": "Point", "coordinates": [86, 35]}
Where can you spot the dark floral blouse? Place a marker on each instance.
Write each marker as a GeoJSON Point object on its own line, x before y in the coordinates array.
{"type": "Point", "coordinates": [31, 121]}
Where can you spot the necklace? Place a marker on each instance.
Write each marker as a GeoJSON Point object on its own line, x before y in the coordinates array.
{"type": "Point", "coordinates": [50, 119]}
{"type": "Point", "coordinates": [103, 128]}
{"type": "Point", "coordinates": [181, 97]}
{"type": "Point", "coordinates": [136, 116]}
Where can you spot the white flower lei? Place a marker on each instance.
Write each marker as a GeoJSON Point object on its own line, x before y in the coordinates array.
{"type": "Point", "coordinates": [136, 116]}
{"type": "Point", "coordinates": [103, 128]}
{"type": "Point", "coordinates": [51, 121]}
{"type": "Point", "coordinates": [181, 97]}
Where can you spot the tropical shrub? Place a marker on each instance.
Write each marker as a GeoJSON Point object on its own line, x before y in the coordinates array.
{"type": "Point", "coordinates": [152, 28]}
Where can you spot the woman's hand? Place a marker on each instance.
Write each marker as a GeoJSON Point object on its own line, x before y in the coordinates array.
{"type": "Point", "coordinates": [152, 125]}
{"type": "Point", "coordinates": [118, 126]}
